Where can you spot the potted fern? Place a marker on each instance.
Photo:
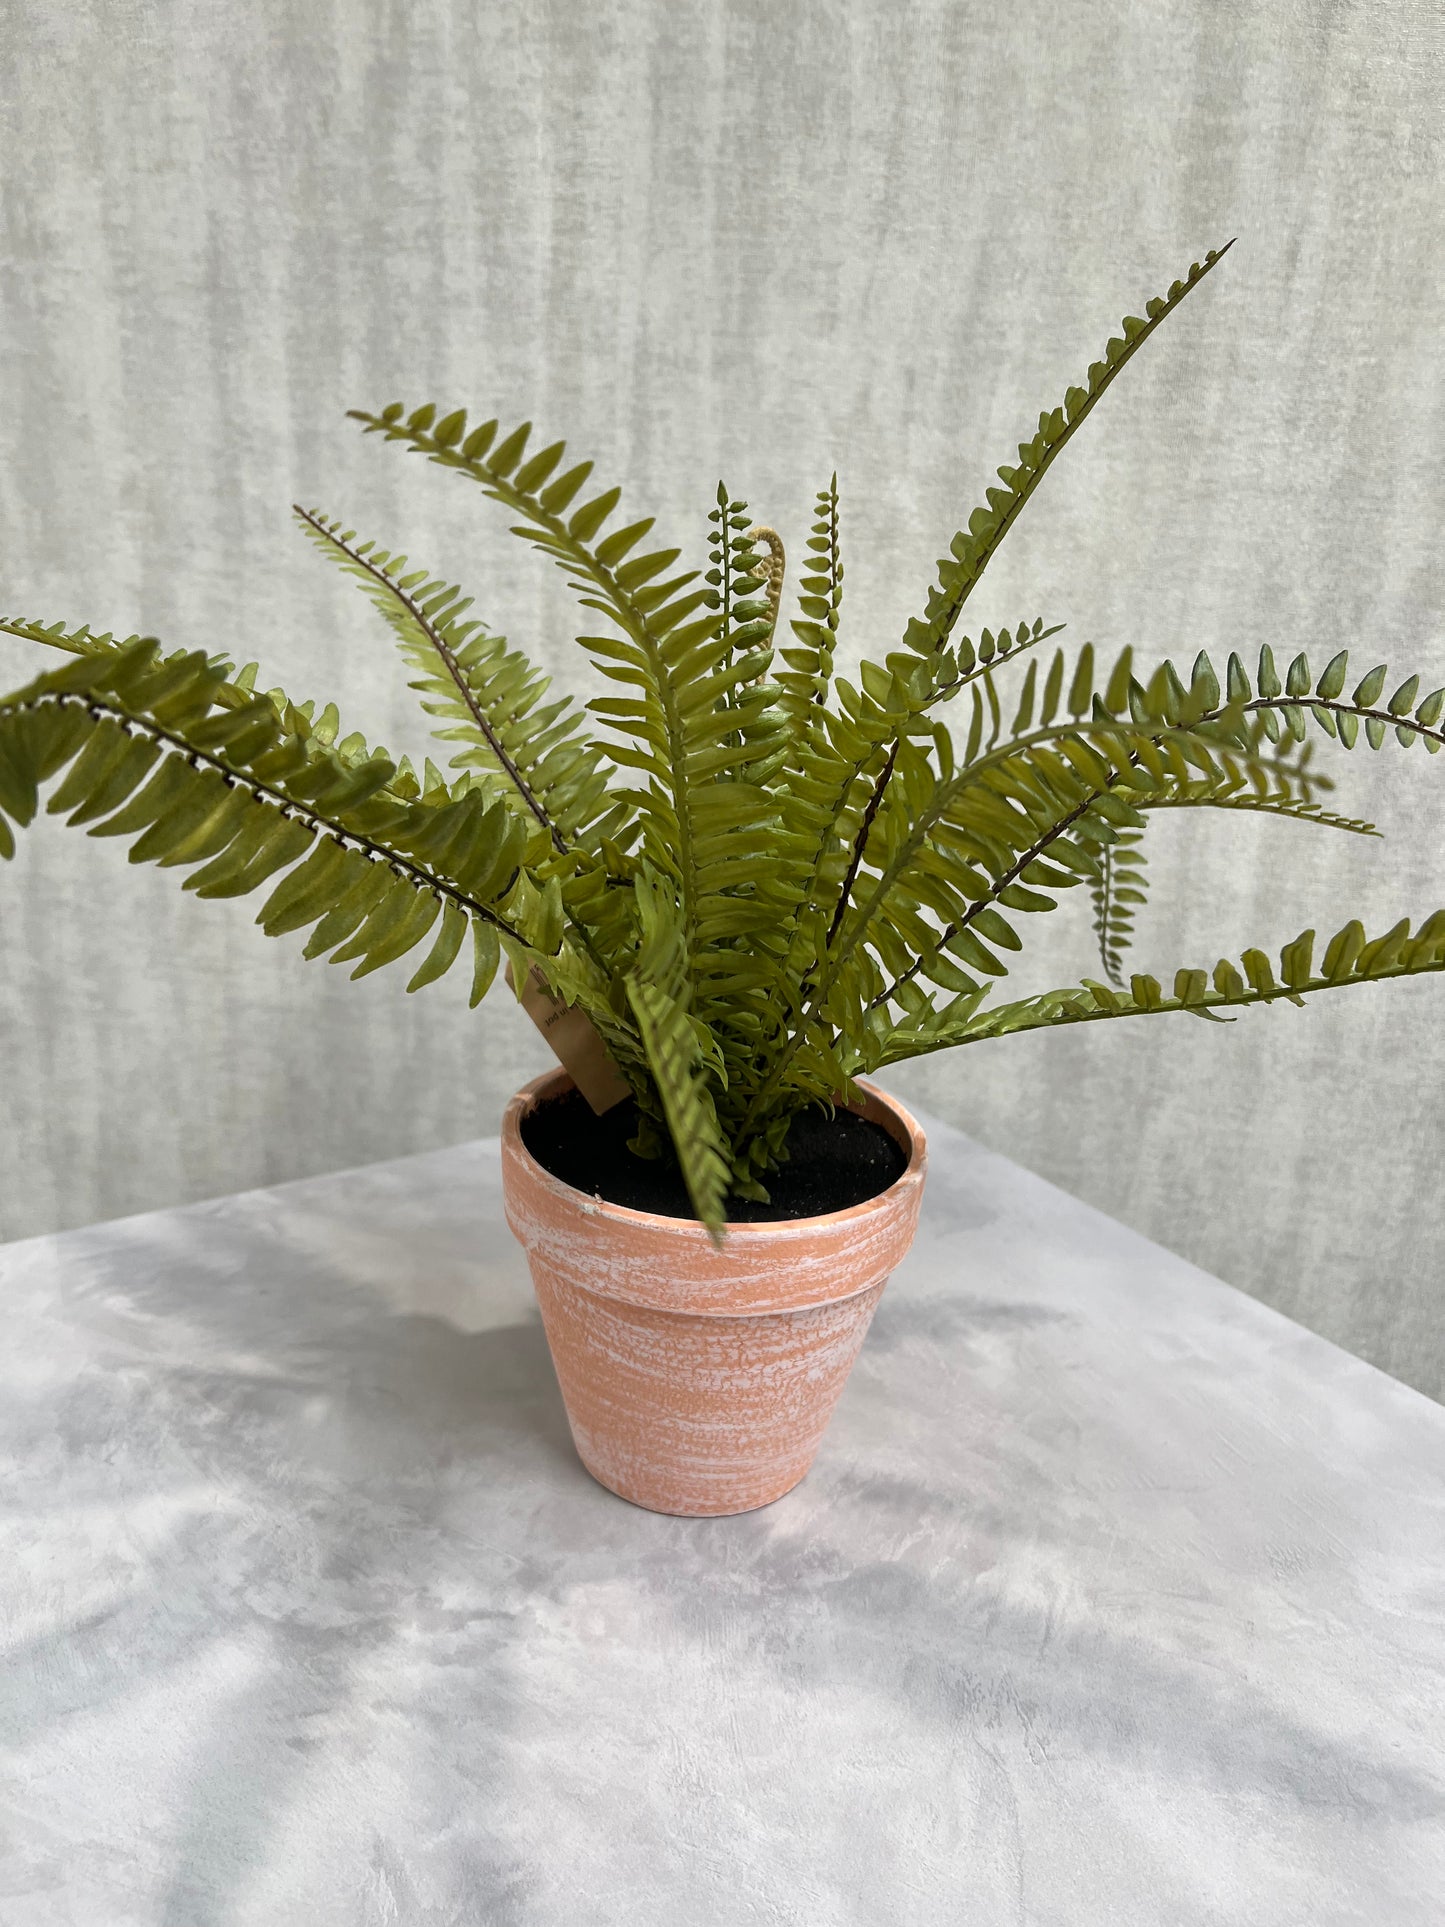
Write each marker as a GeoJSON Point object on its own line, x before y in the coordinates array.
{"type": "Point", "coordinates": [734, 887]}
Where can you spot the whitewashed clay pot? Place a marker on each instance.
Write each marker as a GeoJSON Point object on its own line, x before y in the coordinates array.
{"type": "Point", "coordinates": [699, 1380]}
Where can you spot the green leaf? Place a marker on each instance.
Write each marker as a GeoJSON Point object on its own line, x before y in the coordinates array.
{"type": "Point", "coordinates": [1081, 689]}
{"type": "Point", "coordinates": [311, 889]}
{"type": "Point", "coordinates": [1367, 692]}
{"type": "Point", "coordinates": [163, 792]}
{"type": "Point", "coordinates": [227, 876]}
{"type": "Point", "coordinates": [534, 473]}
{"type": "Point", "coordinates": [1259, 970]}
{"type": "Point", "coordinates": [588, 520]}
{"type": "Point", "coordinates": [205, 802]}
{"type": "Point", "coordinates": [1190, 986]}
{"type": "Point", "coordinates": [1333, 680]}
{"type": "Point", "coordinates": [1343, 951]}
{"type": "Point", "coordinates": [443, 953]}
{"type": "Point", "coordinates": [19, 788]}
{"type": "Point", "coordinates": [559, 494]}
{"type": "Point", "coordinates": [486, 954]}
{"type": "Point", "coordinates": [356, 901]}
{"type": "Point", "coordinates": [1204, 683]}
{"type": "Point", "coordinates": [508, 452]}
{"type": "Point", "coordinates": [101, 758]}
{"type": "Point", "coordinates": [403, 936]}
{"type": "Point", "coordinates": [393, 907]}
{"type": "Point", "coordinates": [1146, 992]}
{"type": "Point", "coordinates": [1295, 959]}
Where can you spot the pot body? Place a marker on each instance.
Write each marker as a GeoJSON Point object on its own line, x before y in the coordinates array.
{"type": "Point", "coordinates": [697, 1380]}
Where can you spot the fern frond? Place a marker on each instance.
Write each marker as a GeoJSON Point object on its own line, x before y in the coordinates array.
{"type": "Point", "coordinates": [1293, 763]}
{"type": "Point", "coordinates": [60, 635]}
{"type": "Point", "coordinates": [1017, 822]}
{"type": "Point", "coordinates": [808, 676]}
{"type": "Point", "coordinates": [675, 1046]}
{"type": "Point", "coordinates": [1118, 891]}
{"type": "Point", "coordinates": [847, 762]}
{"type": "Point", "coordinates": [935, 675]}
{"type": "Point", "coordinates": [1193, 746]}
{"type": "Point", "coordinates": [740, 580]}
{"type": "Point", "coordinates": [1349, 958]}
{"type": "Point", "coordinates": [694, 723]}
{"type": "Point", "coordinates": [320, 726]}
{"type": "Point", "coordinates": [201, 774]}
{"type": "Point", "coordinates": [1198, 745]}
{"type": "Point", "coordinates": [647, 605]}
{"type": "Point", "coordinates": [952, 845]}
{"type": "Point", "coordinates": [973, 548]}
{"type": "Point", "coordinates": [1120, 886]}
{"type": "Point", "coordinates": [488, 696]}
{"type": "Point", "coordinates": [746, 586]}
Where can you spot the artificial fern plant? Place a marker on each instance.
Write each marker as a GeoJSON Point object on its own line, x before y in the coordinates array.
{"type": "Point", "coordinates": [759, 878]}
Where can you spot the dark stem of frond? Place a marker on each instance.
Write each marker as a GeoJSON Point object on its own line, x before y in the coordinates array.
{"type": "Point", "coordinates": [860, 842]}
{"type": "Point", "coordinates": [405, 867]}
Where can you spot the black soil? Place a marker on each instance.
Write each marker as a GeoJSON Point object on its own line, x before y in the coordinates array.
{"type": "Point", "coordinates": [833, 1162]}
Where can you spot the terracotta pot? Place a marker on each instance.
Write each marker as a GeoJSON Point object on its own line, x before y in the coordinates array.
{"type": "Point", "coordinates": [698, 1380]}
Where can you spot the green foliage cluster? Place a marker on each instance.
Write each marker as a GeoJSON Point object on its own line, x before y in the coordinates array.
{"type": "Point", "coordinates": [761, 878]}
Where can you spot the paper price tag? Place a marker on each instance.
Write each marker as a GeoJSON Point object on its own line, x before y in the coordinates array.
{"type": "Point", "coordinates": [574, 1037]}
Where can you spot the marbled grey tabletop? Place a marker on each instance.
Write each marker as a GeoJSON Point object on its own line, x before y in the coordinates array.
{"type": "Point", "coordinates": [1113, 1596]}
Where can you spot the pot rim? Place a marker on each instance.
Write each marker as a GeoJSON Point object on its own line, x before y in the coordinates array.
{"type": "Point", "coordinates": [554, 1082]}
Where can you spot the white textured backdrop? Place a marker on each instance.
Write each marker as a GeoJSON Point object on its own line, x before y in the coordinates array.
{"type": "Point", "coordinates": [757, 240]}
